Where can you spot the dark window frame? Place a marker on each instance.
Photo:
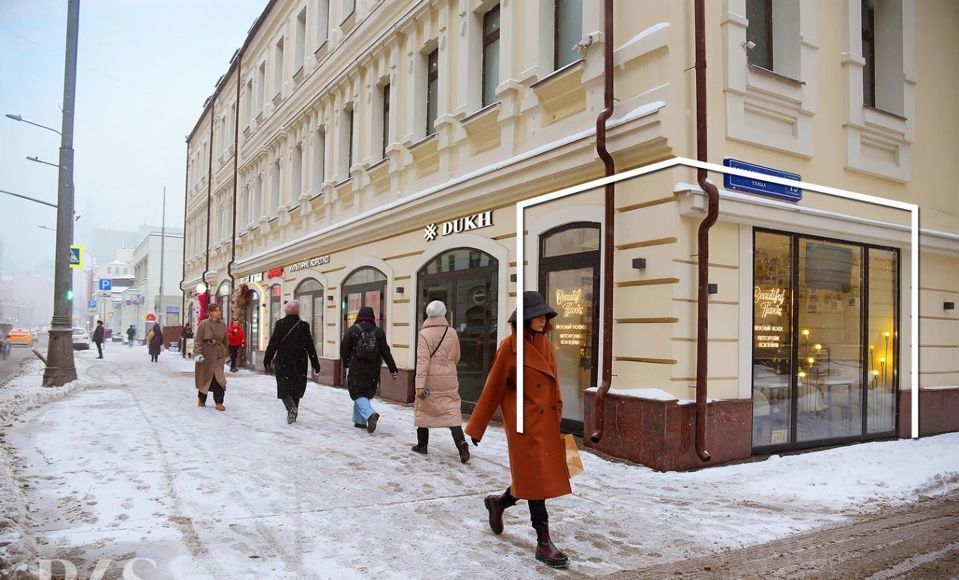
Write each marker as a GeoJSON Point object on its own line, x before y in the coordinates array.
{"type": "Point", "coordinates": [488, 39]}
{"type": "Point", "coordinates": [386, 119]}
{"type": "Point", "coordinates": [868, 8]}
{"type": "Point", "coordinates": [768, 25]}
{"type": "Point", "coordinates": [793, 445]}
{"type": "Point", "coordinates": [556, 34]}
{"type": "Point", "coordinates": [432, 88]}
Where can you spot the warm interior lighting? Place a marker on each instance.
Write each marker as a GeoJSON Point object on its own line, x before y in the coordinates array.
{"type": "Point", "coordinates": [817, 346]}
{"type": "Point", "coordinates": [805, 332]}
{"type": "Point", "coordinates": [802, 374]}
{"type": "Point", "coordinates": [887, 334]}
{"type": "Point", "coordinates": [811, 360]}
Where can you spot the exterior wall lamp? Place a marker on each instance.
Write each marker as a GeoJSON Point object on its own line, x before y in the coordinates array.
{"type": "Point", "coordinates": [639, 263]}
{"type": "Point", "coordinates": [948, 305]}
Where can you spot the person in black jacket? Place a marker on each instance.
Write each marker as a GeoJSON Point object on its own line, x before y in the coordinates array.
{"type": "Point", "coordinates": [363, 351]}
{"type": "Point", "coordinates": [290, 345]}
{"type": "Point", "coordinates": [98, 338]}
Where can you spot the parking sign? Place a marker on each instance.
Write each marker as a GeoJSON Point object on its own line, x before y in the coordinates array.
{"type": "Point", "coordinates": [106, 284]}
{"type": "Point", "coordinates": [92, 304]}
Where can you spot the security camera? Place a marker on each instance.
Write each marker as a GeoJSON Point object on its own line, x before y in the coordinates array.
{"type": "Point", "coordinates": [748, 44]}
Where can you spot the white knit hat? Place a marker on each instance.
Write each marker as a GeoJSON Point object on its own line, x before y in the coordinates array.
{"type": "Point", "coordinates": [436, 308]}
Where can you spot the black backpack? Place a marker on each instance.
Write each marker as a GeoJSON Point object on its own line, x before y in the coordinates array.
{"type": "Point", "coordinates": [366, 348]}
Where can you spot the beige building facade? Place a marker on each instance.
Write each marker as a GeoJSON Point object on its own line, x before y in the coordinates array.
{"type": "Point", "coordinates": [371, 154]}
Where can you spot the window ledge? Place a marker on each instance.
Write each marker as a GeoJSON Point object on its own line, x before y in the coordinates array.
{"type": "Point", "coordinates": [557, 74]}
{"type": "Point", "coordinates": [884, 113]}
{"type": "Point", "coordinates": [481, 114]}
{"type": "Point", "coordinates": [377, 164]}
{"type": "Point", "coordinates": [259, 117]}
{"type": "Point", "coordinates": [779, 76]}
{"type": "Point", "coordinates": [322, 49]}
{"type": "Point", "coordinates": [423, 141]}
{"type": "Point", "coordinates": [277, 98]}
{"type": "Point", "coordinates": [349, 22]}
{"type": "Point", "coordinates": [298, 75]}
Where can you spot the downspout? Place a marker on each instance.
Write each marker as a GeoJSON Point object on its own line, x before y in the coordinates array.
{"type": "Point", "coordinates": [186, 200]}
{"type": "Point", "coordinates": [209, 194]}
{"type": "Point", "coordinates": [702, 336]}
{"type": "Point", "coordinates": [599, 403]}
{"type": "Point", "coordinates": [236, 156]}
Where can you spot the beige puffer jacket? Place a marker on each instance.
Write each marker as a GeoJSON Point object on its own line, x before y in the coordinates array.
{"type": "Point", "coordinates": [442, 407]}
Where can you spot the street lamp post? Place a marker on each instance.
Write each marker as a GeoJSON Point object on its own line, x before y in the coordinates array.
{"type": "Point", "coordinates": [60, 366]}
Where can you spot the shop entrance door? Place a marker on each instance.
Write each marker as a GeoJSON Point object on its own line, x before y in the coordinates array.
{"type": "Point", "coordinates": [569, 280]}
{"type": "Point", "coordinates": [466, 281]}
{"type": "Point", "coordinates": [252, 329]}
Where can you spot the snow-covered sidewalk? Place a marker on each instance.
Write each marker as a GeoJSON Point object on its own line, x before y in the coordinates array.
{"type": "Point", "coordinates": [130, 467]}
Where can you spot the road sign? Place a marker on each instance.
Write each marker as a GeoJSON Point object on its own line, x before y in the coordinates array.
{"type": "Point", "coordinates": [106, 284]}
{"type": "Point", "coordinates": [92, 304]}
{"type": "Point", "coordinates": [151, 317]}
{"type": "Point", "coordinates": [76, 261]}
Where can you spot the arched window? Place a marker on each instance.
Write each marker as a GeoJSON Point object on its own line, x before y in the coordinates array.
{"type": "Point", "coordinates": [364, 287]}
{"type": "Point", "coordinates": [310, 295]}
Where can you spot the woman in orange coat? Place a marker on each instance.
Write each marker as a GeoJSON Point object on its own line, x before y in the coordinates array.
{"type": "Point", "coordinates": [537, 457]}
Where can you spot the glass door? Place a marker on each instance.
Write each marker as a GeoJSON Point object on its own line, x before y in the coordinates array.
{"type": "Point", "coordinates": [252, 329]}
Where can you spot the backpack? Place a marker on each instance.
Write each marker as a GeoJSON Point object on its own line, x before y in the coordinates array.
{"type": "Point", "coordinates": [366, 348]}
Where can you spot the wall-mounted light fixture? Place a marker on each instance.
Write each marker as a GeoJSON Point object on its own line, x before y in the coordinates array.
{"type": "Point", "coordinates": [712, 288]}
{"type": "Point", "coordinates": [512, 277]}
{"type": "Point", "coordinates": [329, 298]}
{"type": "Point", "coordinates": [400, 290]}
{"type": "Point", "coordinates": [639, 263]}
{"type": "Point", "coordinates": [948, 305]}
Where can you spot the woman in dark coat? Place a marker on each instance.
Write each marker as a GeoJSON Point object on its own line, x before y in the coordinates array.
{"type": "Point", "coordinates": [363, 351]}
{"type": "Point", "coordinates": [156, 343]}
{"type": "Point", "coordinates": [537, 457]}
{"type": "Point", "coordinates": [290, 345]}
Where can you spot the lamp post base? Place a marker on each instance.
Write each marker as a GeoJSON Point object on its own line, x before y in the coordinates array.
{"type": "Point", "coordinates": [60, 369]}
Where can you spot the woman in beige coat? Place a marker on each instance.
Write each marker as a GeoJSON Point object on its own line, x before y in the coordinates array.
{"type": "Point", "coordinates": [210, 353]}
{"type": "Point", "coordinates": [437, 401]}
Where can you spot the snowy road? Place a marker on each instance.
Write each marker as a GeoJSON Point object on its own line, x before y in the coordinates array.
{"type": "Point", "coordinates": [132, 468]}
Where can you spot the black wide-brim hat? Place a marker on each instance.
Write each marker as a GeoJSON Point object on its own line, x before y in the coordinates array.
{"type": "Point", "coordinates": [534, 305]}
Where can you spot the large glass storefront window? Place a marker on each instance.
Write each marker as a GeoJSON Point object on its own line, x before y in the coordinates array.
{"type": "Point", "coordinates": [364, 287]}
{"type": "Point", "coordinates": [310, 296]}
{"type": "Point", "coordinates": [223, 299]}
{"type": "Point", "coordinates": [569, 279]}
{"type": "Point", "coordinates": [824, 340]}
{"type": "Point", "coordinates": [466, 281]}
{"type": "Point", "coordinates": [252, 328]}
{"type": "Point", "coordinates": [276, 307]}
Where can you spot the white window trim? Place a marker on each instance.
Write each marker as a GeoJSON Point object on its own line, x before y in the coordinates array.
{"type": "Point", "coordinates": [878, 143]}
{"type": "Point", "coordinates": [763, 107]}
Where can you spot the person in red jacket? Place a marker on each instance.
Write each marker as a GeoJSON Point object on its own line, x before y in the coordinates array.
{"type": "Point", "coordinates": [236, 340]}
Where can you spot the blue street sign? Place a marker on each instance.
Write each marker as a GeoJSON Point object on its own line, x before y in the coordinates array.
{"type": "Point", "coordinates": [92, 304]}
{"type": "Point", "coordinates": [74, 256]}
{"type": "Point", "coordinates": [106, 284]}
{"type": "Point", "coordinates": [758, 186]}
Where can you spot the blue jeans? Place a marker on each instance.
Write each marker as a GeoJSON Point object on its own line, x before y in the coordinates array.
{"type": "Point", "coordinates": [362, 409]}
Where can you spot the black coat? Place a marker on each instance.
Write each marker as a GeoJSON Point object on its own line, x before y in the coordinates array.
{"type": "Point", "coordinates": [156, 345]}
{"type": "Point", "coordinates": [98, 335]}
{"type": "Point", "coordinates": [131, 333]}
{"type": "Point", "coordinates": [289, 356]}
{"type": "Point", "coordinates": [364, 376]}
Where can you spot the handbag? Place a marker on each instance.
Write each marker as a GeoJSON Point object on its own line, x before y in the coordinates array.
{"type": "Point", "coordinates": [574, 463]}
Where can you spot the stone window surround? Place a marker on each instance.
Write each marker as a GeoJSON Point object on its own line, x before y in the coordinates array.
{"type": "Point", "coordinates": [878, 142]}
{"type": "Point", "coordinates": [764, 107]}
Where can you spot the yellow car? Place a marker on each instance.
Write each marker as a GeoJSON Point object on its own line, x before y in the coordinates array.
{"type": "Point", "coordinates": [20, 337]}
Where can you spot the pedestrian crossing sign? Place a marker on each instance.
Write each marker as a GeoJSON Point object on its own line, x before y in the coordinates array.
{"type": "Point", "coordinates": [75, 260]}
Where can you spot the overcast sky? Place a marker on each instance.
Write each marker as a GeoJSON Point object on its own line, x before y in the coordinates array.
{"type": "Point", "coordinates": [144, 69]}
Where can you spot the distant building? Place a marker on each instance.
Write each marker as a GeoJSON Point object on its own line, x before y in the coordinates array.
{"type": "Point", "coordinates": [26, 300]}
{"type": "Point", "coordinates": [142, 295]}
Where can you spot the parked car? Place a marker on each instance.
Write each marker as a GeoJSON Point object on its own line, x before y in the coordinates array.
{"type": "Point", "coordinates": [116, 336]}
{"type": "Point", "coordinates": [20, 337]}
{"type": "Point", "coordinates": [81, 339]}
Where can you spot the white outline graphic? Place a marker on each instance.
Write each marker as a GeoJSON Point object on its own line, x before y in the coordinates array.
{"type": "Point", "coordinates": [712, 167]}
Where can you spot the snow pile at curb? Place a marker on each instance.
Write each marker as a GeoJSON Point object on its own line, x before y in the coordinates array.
{"type": "Point", "coordinates": [18, 548]}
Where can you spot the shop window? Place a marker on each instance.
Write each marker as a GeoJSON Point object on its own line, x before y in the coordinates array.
{"type": "Point", "coordinates": [490, 55]}
{"type": "Point", "coordinates": [310, 296]}
{"type": "Point", "coordinates": [466, 280]}
{"type": "Point", "coordinates": [432, 89]}
{"type": "Point", "coordinates": [276, 306]}
{"type": "Point", "coordinates": [569, 279]}
{"type": "Point", "coordinates": [824, 340]}
{"type": "Point", "coordinates": [223, 299]}
{"type": "Point", "coordinates": [567, 31]}
{"type": "Point", "coordinates": [252, 330]}
{"type": "Point", "coordinates": [364, 287]}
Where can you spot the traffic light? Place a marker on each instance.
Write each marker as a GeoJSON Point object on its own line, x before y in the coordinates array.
{"type": "Point", "coordinates": [70, 294]}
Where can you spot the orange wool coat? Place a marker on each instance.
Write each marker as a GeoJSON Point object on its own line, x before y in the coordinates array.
{"type": "Point", "coordinates": [537, 457]}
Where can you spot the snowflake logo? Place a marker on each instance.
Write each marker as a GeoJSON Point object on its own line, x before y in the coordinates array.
{"type": "Point", "coordinates": [430, 233]}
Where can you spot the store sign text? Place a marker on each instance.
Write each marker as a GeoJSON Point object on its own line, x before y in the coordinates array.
{"type": "Point", "coordinates": [311, 263]}
{"type": "Point", "coordinates": [459, 225]}
{"type": "Point", "coordinates": [258, 277]}
{"type": "Point", "coordinates": [275, 273]}
{"type": "Point", "coordinates": [570, 303]}
{"type": "Point", "coordinates": [769, 302]}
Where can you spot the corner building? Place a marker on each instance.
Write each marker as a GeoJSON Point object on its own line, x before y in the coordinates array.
{"type": "Point", "coordinates": [370, 153]}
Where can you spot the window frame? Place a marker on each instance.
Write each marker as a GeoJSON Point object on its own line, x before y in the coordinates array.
{"type": "Point", "coordinates": [487, 41]}
{"type": "Point", "coordinates": [432, 89]}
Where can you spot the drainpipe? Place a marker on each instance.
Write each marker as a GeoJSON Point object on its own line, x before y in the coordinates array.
{"type": "Point", "coordinates": [702, 335]}
{"type": "Point", "coordinates": [236, 157]}
{"type": "Point", "coordinates": [209, 194]}
{"type": "Point", "coordinates": [186, 199]}
{"type": "Point", "coordinates": [599, 403]}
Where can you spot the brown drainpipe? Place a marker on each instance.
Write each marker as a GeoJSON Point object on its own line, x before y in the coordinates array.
{"type": "Point", "coordinates": [186, 199]}
{"type": "Point", "coordinates": [599, 403]}
{"type": "Point", "coordinates": [702, 336]}
{"type": "Point", "coordinates": [209, 194]}
{"type": "Point", "coordinates": [236, 157]}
